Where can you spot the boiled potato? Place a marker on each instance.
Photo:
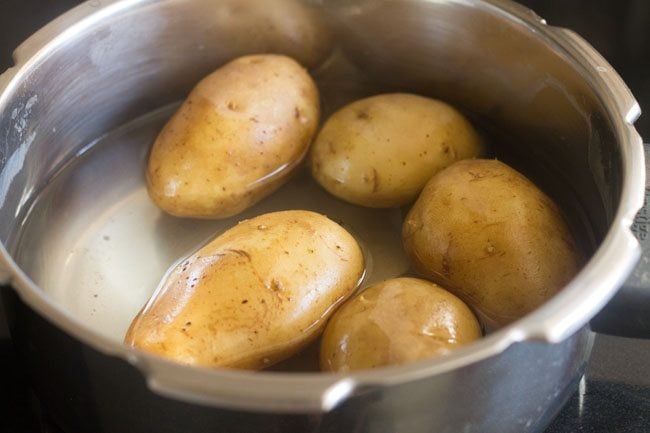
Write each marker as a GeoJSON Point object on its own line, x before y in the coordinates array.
{"type": "Point", "coordinates": [381, 151]}
{"type": "Point", "coordinates": [483, 230]}
{"type": "Point", "coordinates": [235, 139]}
{"type": "Point", "coordinates": [253, 296]}
{"type": "Point", "coordinates": [396, 322]}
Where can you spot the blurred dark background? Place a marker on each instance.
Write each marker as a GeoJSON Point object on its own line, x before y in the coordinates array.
{"type": "Point", "coordinates": [619, 29]}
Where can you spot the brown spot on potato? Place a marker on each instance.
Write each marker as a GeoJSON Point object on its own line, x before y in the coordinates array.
{"type": "Point", "coordinates": [240, 253]}
{"type": "Point", "coordinates": [372, 178]}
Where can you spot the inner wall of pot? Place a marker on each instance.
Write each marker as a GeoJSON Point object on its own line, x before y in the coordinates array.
{"type": "Point", "coordinates": [537, 111]}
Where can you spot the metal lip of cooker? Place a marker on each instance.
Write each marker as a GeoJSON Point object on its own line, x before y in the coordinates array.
{"type": "Point", "coordinates": [567, 312]}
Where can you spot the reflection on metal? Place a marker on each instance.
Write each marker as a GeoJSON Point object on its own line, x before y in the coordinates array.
{"type": "Point", "coordinates": [582, 391]}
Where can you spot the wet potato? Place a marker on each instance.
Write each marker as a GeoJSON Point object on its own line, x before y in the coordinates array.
{"type": "Point", "coordinates": [487, 233]}
{"type": "Point", "coordinates": [236, 138]}
{"type": "Point", "coordinates": [381, 151]}
{"type": "Point", "coordinates": [263, 290]}
{"type": "Point", "coordinates": [255, 295]}
{"type": "Point", "coordinates": [396, 322]}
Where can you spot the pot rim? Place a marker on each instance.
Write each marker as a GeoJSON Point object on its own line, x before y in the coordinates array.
{"type": "Point", "coordinates": [556, 320]}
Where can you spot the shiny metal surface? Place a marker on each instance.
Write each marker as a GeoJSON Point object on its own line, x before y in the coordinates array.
{"type": "Point", "coordinates": [518, 391]}
{"type": "Point", "coordinates": [627, 313]}
{"type": "Point", "coordinates": [567, 119]}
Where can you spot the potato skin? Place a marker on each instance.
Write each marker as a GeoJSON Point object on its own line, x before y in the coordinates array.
{"type": "Point", "coordinates": [380, 151]}
{"type": "Point", "coordinates": [235, 139]}
{"type": "Point", "coordinates": [395, 322]}
{"type": "Point", "coordinates": [487, 233]}
{"type": "Point", "coordinates": [253, 296]}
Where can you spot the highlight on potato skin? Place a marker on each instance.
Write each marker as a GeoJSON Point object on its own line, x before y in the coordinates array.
{"type": "Point", "coordinates": [255, 295]}
{"type": "Point", "coordinates": [380, 151]}
{"type": "Point", "coordinates": [397, 321]}
{"type": "Point", "coordinates": [486, 232]}
{"type": "Point", "coordinates": [237, 137]}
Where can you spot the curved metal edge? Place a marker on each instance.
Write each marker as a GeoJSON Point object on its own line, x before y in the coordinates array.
{"type": "Point", "coordinates": [628, 313]}
{"type": "Point", "coordinates": [5, 274]}
{"type": "Point", "coordinates": [309, 393]}
{"type": "Point", "coordinates": [296, 393]}
{"type": "Point", "coordinates": [285, 394]}
{"type": "Point", "coordinates": [316, 392]}
{"type": "Point", "coordinates": [81, 16]}
{"type": "Point", "coordinates": [55, 33]}
{"type": "Point", "coordinates": [234, 389]}
{"type": "Point", "coordinates": [602, 71]}
{"type": "Point", "coordinates": [620, 250]}
{"type": "Point", "coordinates": [36, 45]}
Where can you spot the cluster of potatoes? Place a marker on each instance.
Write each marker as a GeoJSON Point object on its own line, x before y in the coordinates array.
{"type": "Point", "coordinates": [486, 242]}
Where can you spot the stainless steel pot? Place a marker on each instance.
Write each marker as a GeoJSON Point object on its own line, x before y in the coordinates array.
{"type": "Point", "coordinates": [567, 118]}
